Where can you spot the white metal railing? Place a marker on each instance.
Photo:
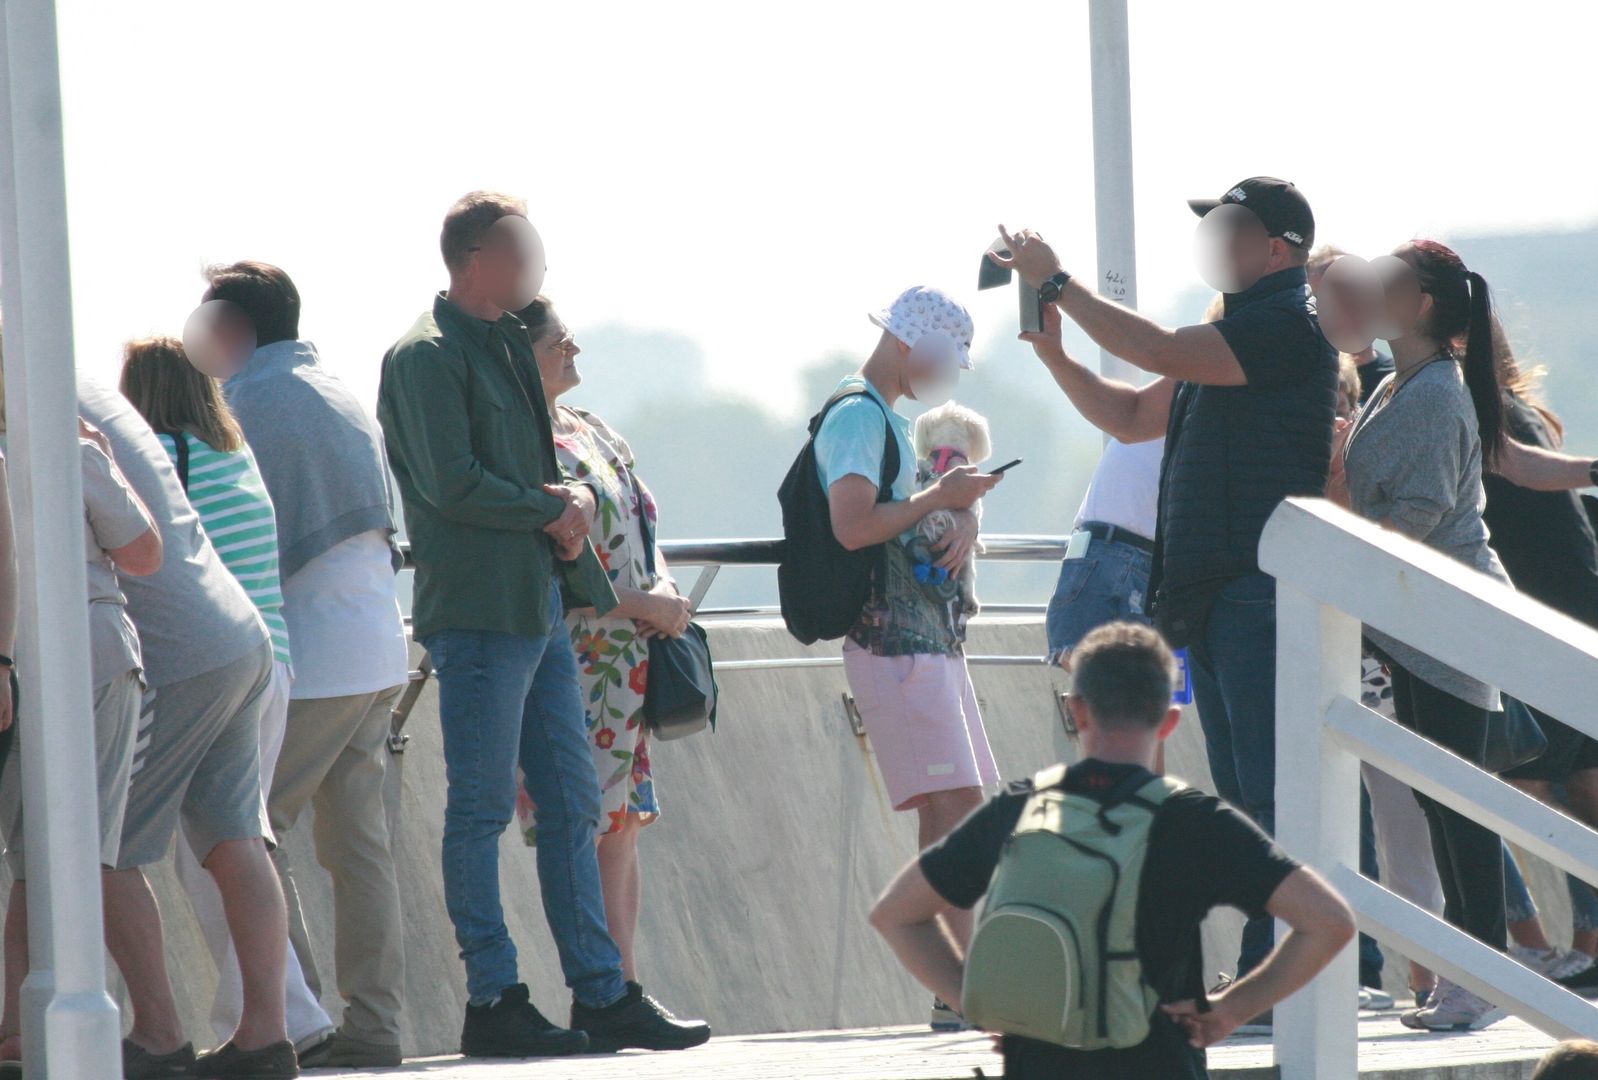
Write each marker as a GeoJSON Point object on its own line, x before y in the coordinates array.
{"type": "Point", "coordinates": [1334, 572]}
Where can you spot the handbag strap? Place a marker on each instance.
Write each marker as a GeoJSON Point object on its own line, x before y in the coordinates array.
{"type": "Point", "coordinates": [646, 528]}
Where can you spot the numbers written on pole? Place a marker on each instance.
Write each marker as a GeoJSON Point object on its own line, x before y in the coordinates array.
{"type": "Point", "coordinates": [1115, 285]}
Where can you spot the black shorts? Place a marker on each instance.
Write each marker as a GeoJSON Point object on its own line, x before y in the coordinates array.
{"type": "Point", "coordinates": [1569, 751]}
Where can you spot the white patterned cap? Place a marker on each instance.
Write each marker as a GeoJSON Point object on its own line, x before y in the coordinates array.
{"type": "Point", "coordinates": [922, 308]}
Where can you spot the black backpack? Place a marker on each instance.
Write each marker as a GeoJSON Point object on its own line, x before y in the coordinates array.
{"type": "Point", "coordinates": [822, 585]}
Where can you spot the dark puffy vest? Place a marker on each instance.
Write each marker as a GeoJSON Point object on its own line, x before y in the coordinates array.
{"type": "Point", "coordinates": [1233, 453]}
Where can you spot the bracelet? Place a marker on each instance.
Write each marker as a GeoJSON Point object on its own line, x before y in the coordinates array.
{"type": "Point", "coordinates": [6, 661]}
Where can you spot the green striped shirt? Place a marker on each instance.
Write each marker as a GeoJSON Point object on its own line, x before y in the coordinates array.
{"type": "Point", "coordinates": [226, 490]}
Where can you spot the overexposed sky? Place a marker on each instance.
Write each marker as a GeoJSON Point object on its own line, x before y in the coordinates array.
{"type": "Point", "coordinates": [756, 176]}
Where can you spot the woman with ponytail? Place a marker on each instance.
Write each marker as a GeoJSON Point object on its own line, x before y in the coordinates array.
{"type": "Point", "coordinates": [1413, 461]}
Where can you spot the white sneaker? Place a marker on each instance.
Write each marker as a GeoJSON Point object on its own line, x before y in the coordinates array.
{"type": "Point", "coordinates": [1453, 1008]}
{"type": "Point", "coordinates": [1553, 964]}
{"type": "Point", "coordinates": [1375, 999]}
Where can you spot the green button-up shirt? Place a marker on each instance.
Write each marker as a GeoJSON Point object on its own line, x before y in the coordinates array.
{"type": "Point", "coordinates": [471, 448]}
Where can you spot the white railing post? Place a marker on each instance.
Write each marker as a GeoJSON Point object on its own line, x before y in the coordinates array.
{"type": "Point", "coordinates": [71, 1028]}
{"type": "Point", "coordinates": [1317, 817]}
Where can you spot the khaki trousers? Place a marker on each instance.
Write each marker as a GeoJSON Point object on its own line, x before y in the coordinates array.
{"type": "Point", "coordinates": [335, 755]}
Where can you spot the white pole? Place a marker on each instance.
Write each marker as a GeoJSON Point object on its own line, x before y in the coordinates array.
{"type": "Point", "coordinates": [1112, 165]}
{"type": "Point", "coordinates": [1317, 818]}
{"type": "Point", "coordinates": [71, 1028]}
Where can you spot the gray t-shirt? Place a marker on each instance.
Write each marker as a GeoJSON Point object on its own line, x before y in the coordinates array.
{"type": "Point", "coordinates": [112, 518]}
{"type": "Point", "coordinates": [1414, 460]}
{"type": "Point", "coordinates": [192, 615]}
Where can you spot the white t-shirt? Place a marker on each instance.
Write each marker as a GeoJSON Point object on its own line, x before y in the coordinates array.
{"type": "Point", "coordinates": [345, 630]}
{"type": "Point", "coordinates": [1125, 491]}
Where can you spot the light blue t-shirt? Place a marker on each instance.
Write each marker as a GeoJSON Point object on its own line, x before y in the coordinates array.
{"type": "Point", "coordinates": [851, 439]}
{"type": "Point", "coordinates": [904, 616]}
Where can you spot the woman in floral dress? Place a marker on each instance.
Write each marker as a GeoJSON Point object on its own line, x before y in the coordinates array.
{"type": "Point", "coordinates": [612, 650]}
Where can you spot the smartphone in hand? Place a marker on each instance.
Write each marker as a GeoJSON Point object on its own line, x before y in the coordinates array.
{"type": "Point", "coordinates": [1031, 309]}
{"type": "Point", "coordinates": [1006, 467]}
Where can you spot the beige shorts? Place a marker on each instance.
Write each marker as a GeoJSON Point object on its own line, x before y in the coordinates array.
{"type": "Point", "coordinates": [116, 718]}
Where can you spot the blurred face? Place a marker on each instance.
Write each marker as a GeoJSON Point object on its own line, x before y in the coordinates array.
{"type": "Point", "coordinates": [556, 352]}
{"type": "Point", "coordinates": [1405, 306]}
{"type": "Point", "coordinates": [219, 339]}
{"type": "Point", "coordinates": [932, 368]}
{"type": "Point", "coordinates": [508, 265]}
{"type": "Point", "coordinates": [1349, 301]}
{"type": "Point", "coordinates": [1233, 249]}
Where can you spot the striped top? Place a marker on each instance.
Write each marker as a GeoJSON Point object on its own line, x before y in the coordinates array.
{"type": "Point", "coordinates": [226, 490]}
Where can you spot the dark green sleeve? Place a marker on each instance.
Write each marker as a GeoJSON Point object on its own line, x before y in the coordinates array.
{"type": "Point", "coordinates": [423, 406]}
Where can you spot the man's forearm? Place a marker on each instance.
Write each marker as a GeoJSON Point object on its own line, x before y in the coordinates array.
{"type": "Point", "coordinates": [927, 953]}
{"type": "Point", "coordinates": [1296, 960]}
{"type": "Point", "coordinates": [1114, 327]}
{"type": "Point", "coordinates": [1107, 404]}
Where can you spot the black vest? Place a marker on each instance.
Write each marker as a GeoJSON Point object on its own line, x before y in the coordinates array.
{"type": "Point", "coordinates": [1232, 453]}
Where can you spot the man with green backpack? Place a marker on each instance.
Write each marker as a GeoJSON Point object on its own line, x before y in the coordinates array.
{"type": "Point", "coordinates": [1087, 955]}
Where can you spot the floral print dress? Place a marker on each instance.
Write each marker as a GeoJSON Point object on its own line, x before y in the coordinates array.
{"type": "Point", "coordinates": [612, 659]}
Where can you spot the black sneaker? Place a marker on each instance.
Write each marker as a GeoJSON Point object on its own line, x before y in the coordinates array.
{"type": "Point", "coordinates": [637, 1022]}
{"type": "Point", "coordinates": [139, 1064]}
{"type": "Point", "coordinates": [512, 1028]}
{"type": "Point", "coordinates": [1584, 983]}
{"type": "Point", "coordinates": [276, 1061]}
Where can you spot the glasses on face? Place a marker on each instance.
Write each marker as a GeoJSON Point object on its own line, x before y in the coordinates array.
{"type": "Point", "coordinates": [566, 344]}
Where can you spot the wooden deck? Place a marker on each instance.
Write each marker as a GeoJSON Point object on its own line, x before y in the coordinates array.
{"type": "Point", "coordinates": [1505, 1051]}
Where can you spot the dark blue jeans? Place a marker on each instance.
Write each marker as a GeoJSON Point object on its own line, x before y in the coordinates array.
{"type": "Point", "coordinates": [1109, 582]}
{"type": "Point", "coordinates": [505, 699]}
{"type": "Point", "coordinates": [1234, 686]}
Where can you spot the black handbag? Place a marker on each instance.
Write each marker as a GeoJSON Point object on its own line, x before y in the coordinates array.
{"type": "Point", "coordinates": [680, 686]}
{"type": "Point", "coordinates": [1514, 737]}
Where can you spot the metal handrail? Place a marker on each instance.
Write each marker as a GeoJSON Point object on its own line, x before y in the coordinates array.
{"type": "Point", "coordinates": [711, 555]}
{"type": "Point", "coordinates": [1009, 547]}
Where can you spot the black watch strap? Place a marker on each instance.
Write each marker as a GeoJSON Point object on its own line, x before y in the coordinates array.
{"type": "Point", "coordinates": [1592, 472]}
{"type": "Point", "coordinates": [1050, 290]}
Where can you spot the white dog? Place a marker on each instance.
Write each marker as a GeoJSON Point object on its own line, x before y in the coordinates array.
{"type": "Point", "coordinates": [946, 437]}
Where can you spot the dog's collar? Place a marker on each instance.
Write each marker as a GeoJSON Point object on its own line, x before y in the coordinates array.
{"type": "Point", "coordinates": [942, 455]}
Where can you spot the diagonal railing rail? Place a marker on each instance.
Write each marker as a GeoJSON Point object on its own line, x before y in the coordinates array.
{"type": "Point", "coordinates": [1335, 572]}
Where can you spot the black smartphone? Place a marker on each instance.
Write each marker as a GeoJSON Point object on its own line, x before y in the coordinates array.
{"type": "Point", "coordinates": [1006, 467]}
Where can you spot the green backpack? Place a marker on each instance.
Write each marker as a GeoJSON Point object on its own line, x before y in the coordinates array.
{"type": "Point", "coordinates": [1054, 956]}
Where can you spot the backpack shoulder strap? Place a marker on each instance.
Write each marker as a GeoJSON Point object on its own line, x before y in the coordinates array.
{"type": "Point", "coordinates": [180, 443]}
{"type": "Point", "coordinates": [1053, 776]}
{"type": "Point", "coordinates": [890, 445]}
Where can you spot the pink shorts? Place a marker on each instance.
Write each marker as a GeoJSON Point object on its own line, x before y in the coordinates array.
{"type": "Point", "coordinates": [921, 715]}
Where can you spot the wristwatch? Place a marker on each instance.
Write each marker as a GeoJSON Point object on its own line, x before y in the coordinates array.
{"type": "Point", "coordinates": [1592, 472]}
{"type": "Point", "coordinates": [1049, 291]}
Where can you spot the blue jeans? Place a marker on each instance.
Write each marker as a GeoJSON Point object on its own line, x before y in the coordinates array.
{"type": "Point", "coordinates": [1109, 582]}
{"type": "Point", "coordinates": [1519, 906]}
{"type": "Point", "coordinates": [1234, 686]}
{"type": "Point", "coordinates": [504, 699]}
{"type": "Point", "coordinates": [1370, 953]}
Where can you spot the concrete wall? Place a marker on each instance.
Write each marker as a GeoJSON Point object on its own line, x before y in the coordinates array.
{"type": "Point", "coordinates": [774, 839]}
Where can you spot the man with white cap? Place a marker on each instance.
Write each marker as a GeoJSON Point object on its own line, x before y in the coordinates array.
{"type": "Point", "coordinates": [905, 657]}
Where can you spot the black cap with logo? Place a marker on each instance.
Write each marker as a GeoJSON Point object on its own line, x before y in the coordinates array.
{"type": "Point", "coordinates": [1278, 203]}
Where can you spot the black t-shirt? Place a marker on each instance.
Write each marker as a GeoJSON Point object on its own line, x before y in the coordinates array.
{"type": "Point", "coordinates": [1372, 374]}
{"type": "Point", "coordinates": [1202, 854]}
{"type": "Point", "coordinates": [1544, 538]}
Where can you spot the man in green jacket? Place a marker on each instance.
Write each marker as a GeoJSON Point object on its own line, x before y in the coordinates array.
{"type": "Point", "coordinates": [500, 541]}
